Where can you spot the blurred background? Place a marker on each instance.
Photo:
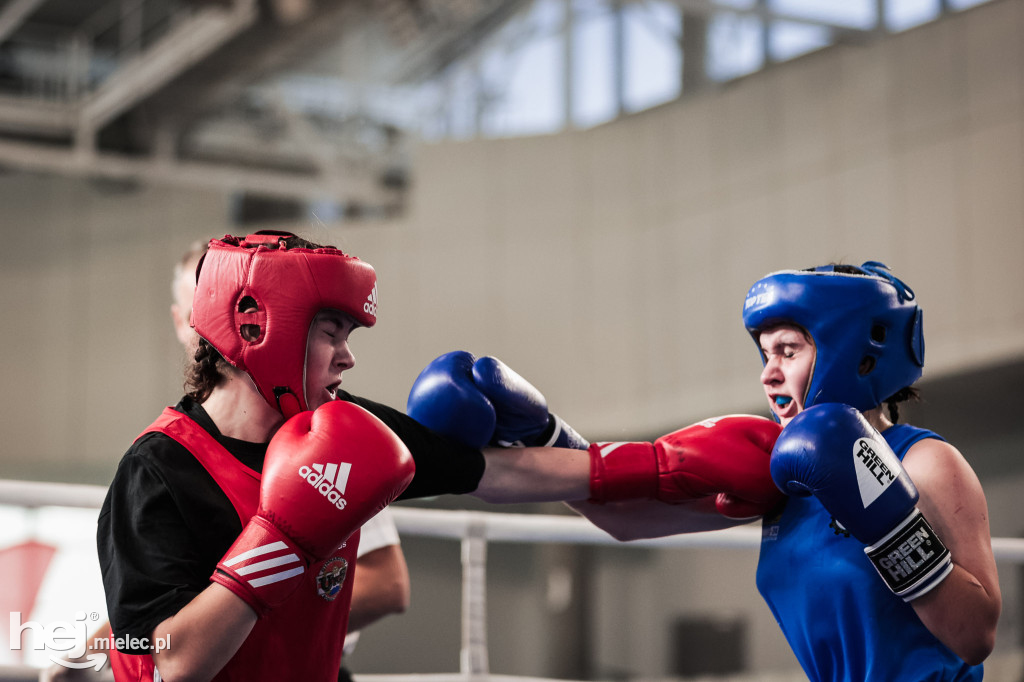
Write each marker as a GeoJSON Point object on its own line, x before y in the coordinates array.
{"type": "Point", "coordinates": [583, 188]}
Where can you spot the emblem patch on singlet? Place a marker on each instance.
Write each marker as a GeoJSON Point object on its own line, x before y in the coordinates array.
{"type": "Point", "coordinates": [331, 577]}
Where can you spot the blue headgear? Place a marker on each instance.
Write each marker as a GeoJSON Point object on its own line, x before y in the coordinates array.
{"type": "Point", "coordinates": [866, 328]}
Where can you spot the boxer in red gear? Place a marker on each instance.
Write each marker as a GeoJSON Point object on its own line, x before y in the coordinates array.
{"type": "Point", "coordinates": [186, 507]}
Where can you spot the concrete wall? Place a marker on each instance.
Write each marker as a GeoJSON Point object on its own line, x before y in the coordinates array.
{"type": "Point", "coordinates": [89, 353]}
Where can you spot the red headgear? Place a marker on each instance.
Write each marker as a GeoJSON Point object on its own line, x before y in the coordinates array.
{"type": "Point", "coordinates": [283, 290]}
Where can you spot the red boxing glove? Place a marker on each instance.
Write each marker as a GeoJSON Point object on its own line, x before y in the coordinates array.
{"type": "Point", "coordinates": [725, 457]}
{"type": "Point", "coordinates": [326, 473]}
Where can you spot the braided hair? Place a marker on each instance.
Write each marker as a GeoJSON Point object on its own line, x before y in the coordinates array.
{"type": "Point", "coordinates": [206, 372]}
{"type": "Point", "coordinates": [900, 396]}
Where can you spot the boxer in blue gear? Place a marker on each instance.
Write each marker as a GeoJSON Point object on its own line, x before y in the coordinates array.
{"type": "Point", "coordinates": [879, 566]}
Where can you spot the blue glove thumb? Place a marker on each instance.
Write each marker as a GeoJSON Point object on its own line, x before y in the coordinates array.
{"type": "Point", "coordinates": [522, 416]}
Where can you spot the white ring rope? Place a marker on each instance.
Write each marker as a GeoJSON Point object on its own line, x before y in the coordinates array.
{"type": "Point", "coordinates": [34, 494]}
{"type": "Point", "coordinates": [455, 524]}
{"type": "Point", "coordinates": [474, 529]}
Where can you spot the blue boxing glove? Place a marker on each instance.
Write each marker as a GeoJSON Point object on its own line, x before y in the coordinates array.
{"type": "Point", "coordinates": [445, 399]}
{"type": "Point", "coordinates": [483, 402]}
{"type": "Point", "coordinates": [523, 419]}
{"type": "Point", "coordinates": [830, 451]}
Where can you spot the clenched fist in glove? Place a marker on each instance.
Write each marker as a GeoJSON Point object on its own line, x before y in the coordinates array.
{"type": "Point", "coordinates": [830, 451]}
{"type": "Point", "coordinates": [725, 458]}
{"type": "Point", "coordinates": [325, 474]}
{"type": "Point", "coordinates": [483, 402]}
{"type": "Point", "coordinates": [523, 419]}
{"type": "Point", "coordinates": [445, 399]}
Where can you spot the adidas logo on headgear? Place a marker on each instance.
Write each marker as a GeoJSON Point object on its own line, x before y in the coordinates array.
{"type": "Point", "coordinates": [330, 480]}
{"type": "Point", "coordinates": [370, 306]}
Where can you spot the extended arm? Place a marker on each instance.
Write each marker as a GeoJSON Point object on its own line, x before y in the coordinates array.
{"type": "Point", "coordinates": [537, 474]}
{"type": "Point", "coordinates": [723, 461]}
{"type": "Point", "coordinates": [645, 519]}
{"type": "Point", "coordinates": [559, 474]}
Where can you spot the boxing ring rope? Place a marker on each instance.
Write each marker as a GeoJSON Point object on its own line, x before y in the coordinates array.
{"type": "Point", "coordinates": [474, 530]}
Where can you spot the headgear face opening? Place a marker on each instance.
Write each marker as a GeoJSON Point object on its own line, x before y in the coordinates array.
{"type": "Point", "coordinates": [866, 328]}
{"type": "Point", "coordinates": [255, 302]}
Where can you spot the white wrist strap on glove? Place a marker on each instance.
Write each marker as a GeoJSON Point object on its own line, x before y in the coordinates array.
{"type": "Point", "coordinates": [911, 559]}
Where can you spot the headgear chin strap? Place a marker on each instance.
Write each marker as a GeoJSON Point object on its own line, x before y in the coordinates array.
{"type": "Point", "coordinates": [866, 328]}
{"type": "Point", "coordinates": [255, 301]}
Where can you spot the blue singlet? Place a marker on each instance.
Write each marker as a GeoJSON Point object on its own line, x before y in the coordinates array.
{"type": "Point", "coordinates": [837, 614]}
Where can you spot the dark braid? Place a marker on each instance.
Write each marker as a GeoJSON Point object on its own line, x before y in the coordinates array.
{"type": "Point", "coordinates": [205, 372]}
{"type": "Point", "coordinates": [902, 395]}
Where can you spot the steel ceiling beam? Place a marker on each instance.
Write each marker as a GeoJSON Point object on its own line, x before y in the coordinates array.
{"type": "Point", "coordinates": [36, 116]}
{"type": "Point", "coordinates": [763, 12]}
{"type": "Point", "coordinates": [197, 174]}
{"type": "Point", "coordinates": [263, 51]}
{"type": "Point", "coordinates": [432, 54]}
{"type": "Point", "coordinates": [184, 46]}
{"type": "Point", "coordinates": [13, 15]}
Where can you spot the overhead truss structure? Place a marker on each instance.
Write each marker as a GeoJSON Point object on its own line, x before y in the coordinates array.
{"type": "Point", "coordinates": [280, 98]}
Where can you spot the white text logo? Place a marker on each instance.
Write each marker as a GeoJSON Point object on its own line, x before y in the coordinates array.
{"type": "Point", "coordinates": [371, 302]}
{"type": "Point", "coordinates": [330, 479]}
{"type": "Point", "coordinates": [69, 641]}
{"type": "Point", "coordinates": [761, 299]}
{"type": "Point", "coordinates": [876, 467]}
